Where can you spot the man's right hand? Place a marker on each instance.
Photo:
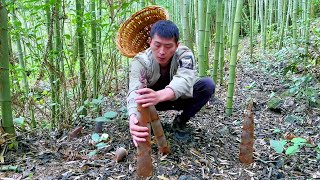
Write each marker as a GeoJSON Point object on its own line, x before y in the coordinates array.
{"type": "Point", "coordinates": [138, 133]}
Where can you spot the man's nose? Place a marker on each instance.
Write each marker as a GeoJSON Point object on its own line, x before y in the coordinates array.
{"type": "Point", "coordinates": [162, 51]}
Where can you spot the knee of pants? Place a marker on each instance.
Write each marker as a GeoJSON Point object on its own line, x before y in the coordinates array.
{"type": "Point", "coordinates": [208, 85]}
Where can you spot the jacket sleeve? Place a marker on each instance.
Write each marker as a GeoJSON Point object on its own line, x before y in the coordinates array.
{"type": "Point", "coordinates": [185, 77]}
{"type": "Point", "coordinates": [134, 84]}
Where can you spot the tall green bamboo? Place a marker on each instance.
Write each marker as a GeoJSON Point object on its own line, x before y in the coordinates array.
{"type": "Point", "coordinates": [207, 34]}
{"type": "Point", "coordinates": [83, 83]}
{"type": "Point", "coordinates": [283, 23]}
{"type": "Point", "coordinates": [189, 25]}
{"type": "Point", "coordinates": [222, 40]}
{"type": "Point", "coordinates": [279, 12]}
{"type": "Point", "coordinates": [95, 67]}
{"type": "Point", "coordinates": [23, 72]}
{"type": "Point", "coordinates": [289, 7]}
{"type": "Point", "coordinates": [304, 15]}
{"type": "Point", "coordinates": [271, 3]}
{"type": "Point", "coordinates": [52, 77]}
{"type": "Point", "coordinates": [262, 23]}
{"type": "Point", "coordinates": [307, 32]}
{"type": "Point", "coordinates": [231, 19]}
{"type": "Point", "coordinates": [264, 34]}
{"type": "Point", "coordinates": [233, 60]}
{"type": "Point", "coordinates": [59, 62]}
{"type": "Point", "coordinates": [251, 6]}
{"type": "Point", "coordinates": [219, 15]}
{"type": "Point", "coordinates": [202, 24]}
{"type": "Point", "coordinates": [142, 4]}
{"type": "Point", "coordinates": [257, 12]}
{"type": "Point", "coordinates": [5, 97]}
{"type": "Point", "coordinates": [294, 21]}
{"type": "Point", "coordinates": [99, 47]}
{"type": "Point", "coordinates": [196, 22]}
{"type": "Point", "coordinates": [186, 24]}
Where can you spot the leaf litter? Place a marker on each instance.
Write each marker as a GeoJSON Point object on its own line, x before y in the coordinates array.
{"type": "Point", "coordinates": [212, 152]}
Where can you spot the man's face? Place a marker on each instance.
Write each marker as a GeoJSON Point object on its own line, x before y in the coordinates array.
{"type": "Point", "coordinates": [163, 49]}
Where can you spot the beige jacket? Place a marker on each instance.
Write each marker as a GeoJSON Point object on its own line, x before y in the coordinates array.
{"type": "Point", "coordinates": [182, 74]}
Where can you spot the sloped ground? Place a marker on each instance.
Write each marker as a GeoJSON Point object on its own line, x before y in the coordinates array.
{"type": "Point", "coordinates": [211, 153]}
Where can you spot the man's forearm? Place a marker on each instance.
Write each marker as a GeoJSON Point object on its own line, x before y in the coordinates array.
{"type": "Point", "coordinates": [166, 94]}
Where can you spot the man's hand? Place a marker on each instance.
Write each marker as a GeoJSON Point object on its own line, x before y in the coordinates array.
{"type": "Point", "coordinates": [148, 97]}
{"type": "Point", "coordinates": [137, 132]}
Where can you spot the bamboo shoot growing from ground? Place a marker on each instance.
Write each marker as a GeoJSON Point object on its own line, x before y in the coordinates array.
{"type": "Point", "coordinates": [247, 136]}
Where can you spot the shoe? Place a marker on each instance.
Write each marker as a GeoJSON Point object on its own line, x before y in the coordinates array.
{"type": "Point", "coordinates": [180, 131]}
{"type": "Point", "coordinates": [178, 124]}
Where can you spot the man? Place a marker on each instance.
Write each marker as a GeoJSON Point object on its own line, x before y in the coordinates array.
{"type": "Point", "coordinates": [171, 80]}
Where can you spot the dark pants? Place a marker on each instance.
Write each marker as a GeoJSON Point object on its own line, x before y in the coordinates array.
{"type": "Point", "coordinates": [202, 91]}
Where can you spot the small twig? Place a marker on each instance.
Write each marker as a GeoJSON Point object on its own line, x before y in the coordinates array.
{"type": "Point", "coordinates": [270, 173]}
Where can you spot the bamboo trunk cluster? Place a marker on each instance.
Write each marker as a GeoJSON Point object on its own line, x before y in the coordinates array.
{"type": "Point", "coordinates": [147, 116]}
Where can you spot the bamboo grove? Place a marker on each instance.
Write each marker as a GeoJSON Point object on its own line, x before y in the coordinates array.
{"type": "Point", "coordinates": [60, 54]}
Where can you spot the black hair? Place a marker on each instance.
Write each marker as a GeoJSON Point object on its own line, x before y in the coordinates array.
{"type": "Point", "coordinates": [165, 29]}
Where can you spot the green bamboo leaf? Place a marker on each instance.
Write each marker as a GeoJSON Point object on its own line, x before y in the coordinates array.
{"type": "Point", "coordinates": [104, 137]}
{"type": "Point", "coordinates": [80, 109]}
{"type": "Point", "coordinates": [277, 145]}
{"type": "Point", "coordinates": [276, 131]}
{"type": "Point", "coordinates": [101, 145]}
{"type": "Point", "coordinates": [110, 114]}
{"type": "Point", "coordinates": [292, 150]}
{"type": "Point", "coordinates": [101, 119]}
{"type": "Point", "coordinates": [318, 148]}
{"type": "Point", "coordinates": [298, 141]}
{"type": "Point", "coordinates": [19, 121]}
{"type": "Point", "coordinates": [96, 101]}
{"type": "Point", "coordinates": [95, 137]}
{"type": "Point", "coordinates": [92, 153]}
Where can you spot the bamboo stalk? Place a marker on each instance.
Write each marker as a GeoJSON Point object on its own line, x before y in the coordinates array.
{"type": "Point", "coordinates": [219, 15]}
{"type": "Point", "coordinates": [5, 96]}
{"type": "Point", "coordinates": [201, 50]}
{"type": "Point", "coordinates": [233, 61]}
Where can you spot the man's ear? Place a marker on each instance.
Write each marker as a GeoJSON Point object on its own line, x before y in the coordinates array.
{"type": "Point", "coordinates": [149, 40]}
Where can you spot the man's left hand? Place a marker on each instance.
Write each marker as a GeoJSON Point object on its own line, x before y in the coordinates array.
{"type": "Point", "coordinates": [148, 97]}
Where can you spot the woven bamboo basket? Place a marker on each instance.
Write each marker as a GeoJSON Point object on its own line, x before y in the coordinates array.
{"type": "Point", "coordinates": [133, 34]}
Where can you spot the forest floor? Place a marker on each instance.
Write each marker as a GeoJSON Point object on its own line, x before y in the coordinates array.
{"type": "Point", "coordinates": [212, 152]}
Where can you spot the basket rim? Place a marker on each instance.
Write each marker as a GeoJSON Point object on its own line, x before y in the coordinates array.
{"type": "Point", "coordinates": [124, 50]}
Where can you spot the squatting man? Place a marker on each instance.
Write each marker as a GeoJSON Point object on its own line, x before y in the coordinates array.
{"type": "Point", "coordinates": [172, 83]}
